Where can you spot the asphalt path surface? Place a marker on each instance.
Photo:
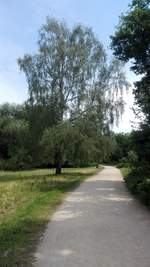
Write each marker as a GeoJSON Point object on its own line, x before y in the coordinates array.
{"type": "Point", "coordinates": [100, 224]}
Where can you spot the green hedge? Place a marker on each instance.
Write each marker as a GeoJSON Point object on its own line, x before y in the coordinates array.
{"type": "Point", "coordinates": [138, 182]}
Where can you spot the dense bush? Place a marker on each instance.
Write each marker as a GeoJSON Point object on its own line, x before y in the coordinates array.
{"type": "Point", "coordinates": [138, 182]}
{"type": "Point", "coordinates": [123, 165]}
{"type": "Point", "coordinates": [143, 189]}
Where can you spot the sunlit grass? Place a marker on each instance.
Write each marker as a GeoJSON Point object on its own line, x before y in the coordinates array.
{"type": "Point", "coordinates": [27, 201]}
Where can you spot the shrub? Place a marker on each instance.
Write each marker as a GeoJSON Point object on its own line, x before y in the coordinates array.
{"type": "Point", "coordinates": [138, 182]}
{"type": "Point", "coordinates": [122, 165]}
{"type": "Point", "coordinates": [132, 158]}
{"type": "Point", "coordinates": [133, 179]}
{"type": "Point", "coordinates": [143, 190]}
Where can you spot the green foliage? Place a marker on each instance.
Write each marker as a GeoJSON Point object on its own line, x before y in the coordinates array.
{"type": "Point", "coordinates": [123, 164]}
{"type": "Point", "coordinates": [133, 180]}
{"type": "Point", "coordinates": [13, 137]}
{"type": "Point", "coordinates": [132, 42]}
{"type": "Point", "coordinates": [105, 147]}
{"type": "Point", "coordinates": [57, 142]}
{"type": "Point", "coordinates": [68, 144]}
{"type": "Point", "coordinates": [140, 4]}
{"type": "Point", "coordinates": [138, 182]}
{"type": "Point", "coordinates": [143, 190]}
{"type": "Point", "coordinates": [123, 145]}
{"type": "Point", "coordinates": [69, 80]}
{"type": "Point", "coordinates": [131, 39]}
{"type": "Point", "coordinates": [141, 144]}
{"type": "Point", "coordinates": [70, 75]}
{"type": "Point", "coordinates": [131, 150]}
{"type": "Point", "coordinates": [68, 114]}
{"type": "Point", "coordinates": [132, 158]}
{"type": "Point", "coordinates": [60, 74]}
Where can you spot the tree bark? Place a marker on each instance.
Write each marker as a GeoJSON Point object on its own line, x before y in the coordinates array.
{"type": "Point", "coordinates": [58, 168]}
{"type": "Point", "coordinates": [58, 160]}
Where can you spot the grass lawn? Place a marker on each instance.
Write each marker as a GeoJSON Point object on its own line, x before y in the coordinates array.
{"type": "Point", "coordinates": [27, 201]}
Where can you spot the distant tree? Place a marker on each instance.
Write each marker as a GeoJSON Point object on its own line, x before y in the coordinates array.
{"type": "Point", "coordinates": [55, 142]}
{"type": "Point", "coordinates": [141, 145]}
{"type": "Point", "coordinates": [64, 143]}
{"type": "Point", "coordinates": [123, 145]}
{"type": "Point", "coordinates": [104, 149]}
{"type": "Point", "coordinates": [13, 137]}
{"type": "Point", "coordinates": [132, 158]}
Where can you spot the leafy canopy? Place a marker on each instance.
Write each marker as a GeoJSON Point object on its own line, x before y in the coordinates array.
{"type": "Point", "coordinates": [72, 87]}
{"type": "Point", "coordinates": [132, 42]}
{"type": "Point", "coordinates": [70, 73]}
{"type": "Point", "coordinates": [132, 39]}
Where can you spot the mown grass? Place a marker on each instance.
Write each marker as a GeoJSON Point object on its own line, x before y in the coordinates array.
{"type": "Point", "coordinates": [27, 201]}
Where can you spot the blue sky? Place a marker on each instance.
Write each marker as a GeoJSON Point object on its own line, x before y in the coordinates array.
{"type": "Point", "coordinates": [20, 22]}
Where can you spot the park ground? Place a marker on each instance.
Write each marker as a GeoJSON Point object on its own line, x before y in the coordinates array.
{"type": "Point", "coordinates": [27, 202]}
{"type": "Point", "coordinates": [100, 224]}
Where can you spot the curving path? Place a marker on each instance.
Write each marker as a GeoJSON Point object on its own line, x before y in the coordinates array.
{"type": "Point", "coordinates": [99, 225]}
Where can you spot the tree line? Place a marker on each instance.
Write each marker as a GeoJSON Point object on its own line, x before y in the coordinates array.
{"type": "Point", "coordinates": [75, 95]}
{"type": "Point", "coordinates": [132, 42]}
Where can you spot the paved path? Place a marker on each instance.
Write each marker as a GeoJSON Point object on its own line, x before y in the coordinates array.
{"type": "Point", "coordinates": [99, 225]}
